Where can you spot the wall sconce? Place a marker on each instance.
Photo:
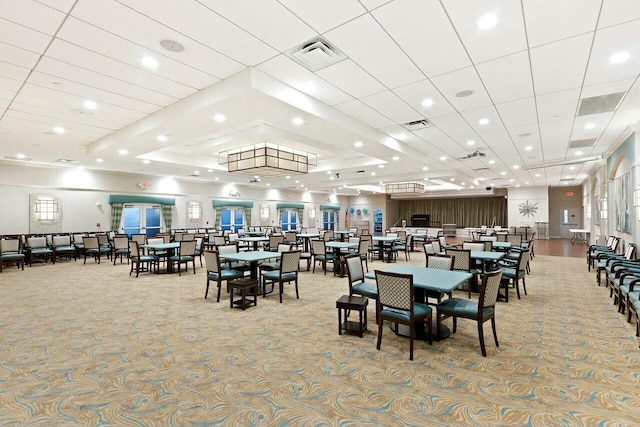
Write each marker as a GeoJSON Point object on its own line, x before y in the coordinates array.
{"type": "Point", "coordinates": [312, 212]}
{"type": "Point", "coordinates": [604, 208]}
{"type": "Point", "coordinates": [264, 212]}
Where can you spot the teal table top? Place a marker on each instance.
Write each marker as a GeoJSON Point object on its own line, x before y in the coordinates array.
{"type": "Point", "coordinates": [432, 279]}
{"type": "Point", "coordinates": [253, 239]}
{"type": "Point", "coordinates": [249, 256]}
{"type": "Point", "coordinates": [385, 239]}
{"type": "Point", "coordinates": [161, 246]}
{"type": "Point", "coordinates": [342, 245]}
{"type": "Point", "coordinates": [487, 256]}
{"type": "Point", "coordinates": [502, 245]}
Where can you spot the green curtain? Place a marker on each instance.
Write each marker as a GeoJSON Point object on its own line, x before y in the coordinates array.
{"type": "Point", "coordinates": [247, 218]}
{"type": "Point", "coordinates": [300, 216]}
{"type": "Point", "coordinates": [464, 212]}
{"type": "Point", "coordinates": [116, 216]}
{"type": "Point", "coordinates": [218, 216]}
{"type": "Point", "coordinates": [167, 213]}
{"type": "Point", "coordinates": [279, 217]}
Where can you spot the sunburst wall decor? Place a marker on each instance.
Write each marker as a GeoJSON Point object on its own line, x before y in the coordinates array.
{"type": "Point", "coordinates": [528, 209]}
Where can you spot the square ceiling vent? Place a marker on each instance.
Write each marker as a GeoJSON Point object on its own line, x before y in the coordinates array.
{"type": "Point", "coordinates": [316, 54]}
{"type": "Point", "coordinates": [600, 104]}
{"type": "Point", "coordinates": [417, 124]}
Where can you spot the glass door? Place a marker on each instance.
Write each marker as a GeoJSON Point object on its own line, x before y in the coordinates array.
{"type": "Point", "coordinates": [141, 220]}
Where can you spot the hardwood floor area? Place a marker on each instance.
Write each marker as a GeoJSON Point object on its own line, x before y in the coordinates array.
{"type": "Point", "coordinates": [553, 247]}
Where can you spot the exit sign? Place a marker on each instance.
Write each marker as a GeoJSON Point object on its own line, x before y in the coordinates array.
{"type": "Point", "coordinates": [570, 193]}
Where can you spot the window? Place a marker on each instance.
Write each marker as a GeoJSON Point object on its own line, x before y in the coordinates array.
{"type": "Point", "coordinates": [232, 219]}
{"type": "Point", "coordinates": [289, 220]}
{"type": "Point", "coordinates": [45, 209]}
{"type": "Point", "coordinates": [329, 219]}
{"type": "Point", "coordinates": [194, 211]}
{"type": "Point", "coordinates": [138, 219]}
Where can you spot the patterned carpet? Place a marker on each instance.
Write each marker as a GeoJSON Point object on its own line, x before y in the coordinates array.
{"type": "Point", "coordinates": [89, 345]}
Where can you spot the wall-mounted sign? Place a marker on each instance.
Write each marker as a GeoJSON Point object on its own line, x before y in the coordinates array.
{"type": "Point", "coordinates": [569, 193]}
{"type": "Point", "coordinates": [144, 185]}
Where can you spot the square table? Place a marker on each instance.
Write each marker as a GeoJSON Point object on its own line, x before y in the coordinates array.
{"type": "Point", "coordinates": [579, 235]}
{"type": "Point", "coordinates": [169, 247]}
{"type": "Point", "coordinates": [306, 237]}
{"type": "Point", "coordinates": [337, 246]}
{"type": "Point", "coordinates": [343, 234]}
{"type": "Point", "coordinates": [252, 257]}
{"type": "Point", "coordinates": [254, 239]}
{"type": "Point", "coordinates": [503, 246]}
{"type": "Point", "coordinates": [383, 241]}
{"type": "Point", "coordinates": [431, 279]}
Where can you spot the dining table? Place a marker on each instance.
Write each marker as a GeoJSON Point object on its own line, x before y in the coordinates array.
{"type": "Point", "coordinates": [254, 240]}
{"type": "Point", "coordinates": [502, 246]}
{"type": "Point", "coordinates": [170, 249]}
{"type": "Point", "coordinates": [337, 248]}
{"type": "Point", "coordinates": [428, 279]}
{"type": "Point", "coordinates": [250, 257]}
{"type": "Point", "coordinates": [306, 237]}
{"type": "Point", "coordinates": [382, 242]}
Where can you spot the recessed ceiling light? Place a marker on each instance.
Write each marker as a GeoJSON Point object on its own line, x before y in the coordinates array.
{"type": "Point", "coordinates": [425, 168]}
{"type": "Point", "coordinates": [373, 174]}
{"type": "Point", "coordinates": [395, 158]}
{"type": "Point", "coordinates": [196, 172]}
{"type": "Point", "coordinates": [487, 22]}
{"type": "Point", "coordinates": [330, 178]}
{"type": "Point", "coordinates": [216, 178]}
{"type": "Point", "coordinates": [209, 170]}
{"type": "Point", "coordinates": [59, 130]}
{"type": "Point", "coordinates": [163, 138]}
{"type": "Point", "coordinates": [380, 166]}
{"type": "Point", "coordinates": [297, 121]}
{"type": "Point", "coordinates": [20, 156]}
{"type": "Point", "coordinates": [483, 121]}
{"type": "Point", "coordinates": [568, 177]}
{"type": "Point", "coordinates": [619, 57]}
{"type": "Point", "coordinates": [358, 144]}
{"type": "Point", "coordinates": [287, 177]}
{"type": "Point", "coordinates": [443, 158]}
{"type": "Point", "coordinates": [308, 87]}
{"type": "Point", "coordinates": [297, 182]}
{"type": "Point", "coordinates": [427, 102]}
{"type": "Point", "coordinates": [518, 185]}
{"type": "Point", "coordinates": [590, 126]}
{"type": "Point", "coordinates": [511, 180]}
{"type": "Point", "coordinates": [123, 152]}
{"type": "Point", "coordinates": [528, 148]}
{"type": "Point", "coordinates": [526, 182]}
{"type": "Point", "coordinates": [503, 173]}
{"type": "Point", "coordinates": [471, 142]}
{"type": "Point", "coordinates": [464, 93]}
{"type": "Point", "coordinates": [328, 173]}
{"type": "Point", "coordinates": [491, 162]}
{"type": "Point", "coordinates": [578, 153]}
{"type": "Point", "coordinates": [537, 175]}
{"type": "Point", "coordinates": [472, 187]}
{"type": "Point", "coordinates": [98, 160]}
{"type": "Point", "coordinates": [426, 179]}
{"type": "Point", "coordinates": [516, 166]}
{"type": "Point", "coordinates": [146, 161]}
{"type": "Point", "coordinates": [90, 105]}
{"type": "Point", "coordinates": [268, 184]}
{"type": "Point", "coordinates": [219, 118]}
{"type": "Point", "coordinates": [150, 62]}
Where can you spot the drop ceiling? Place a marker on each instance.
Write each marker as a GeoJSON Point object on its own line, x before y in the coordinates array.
{"type": "Point", "coordinates": [512, 92]}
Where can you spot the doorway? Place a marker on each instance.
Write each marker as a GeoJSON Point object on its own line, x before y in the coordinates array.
{"type": "Point", "coordinates": [139, 219]}
{"type": "Point", "coordinates": [570, 219]}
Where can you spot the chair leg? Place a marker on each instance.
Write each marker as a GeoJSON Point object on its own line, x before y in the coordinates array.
{"type": "Point", "coordinates": [493, 327]}
{"type": "Point", "coordinates": [194, 266]}
{"type": "Point", "coordinates": [412, 333]}
{"type": "Point", "coordinates": [481, 336]}
{"type": "Point", "coordinates": [524, 286]}
{"type": "Point", "coordinates": [219, 289]}
{"type": "Point", "coordinates": [380, 327]}
{"type": "Point", "coordinates": [429, 325]}
{"type": "Point", "coordinates": [281, 286]}
{"type": "Point", "coordinates": [516, 283]}
{"type": "Point", "coordinates": [206, 292]}
{"type": "Point", "coordinates": [455, 324]}
{"type": "Point", "coordinates": [297, 295]}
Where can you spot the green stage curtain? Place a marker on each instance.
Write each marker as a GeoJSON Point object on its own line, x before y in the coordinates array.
{"type": "Point", "coordinates": [247, 217]}
{"type": "Point", "coordinates": [218, 216]}
{"type": "Point", "coordinates": [167, 213]}
{"type": "Point", "coordinates": [116, 216]}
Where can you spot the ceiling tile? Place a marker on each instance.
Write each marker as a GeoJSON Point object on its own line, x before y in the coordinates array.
{"type": "Point", "coordinates": [507, 37]}
{"type": "Point", "coordinates": [618, 11]}
{"type": "Point", "coordinates": [558, 105]}
{"type": "Point", "coordinates": [10, 84]}
{"type": "Point", "coordinates": [282, 30]}
{"type": "Point", "coordinates": [364, 113]}
{"type": "Point", "coordinates": [518, 113]}
{"type": "Point", "coordinates": [388, 104]}
{"type": "Point", "coordinates": [438, 49]}
{"type": "Point", "coordinates": [415, 93]}
{"type": "Point", "coordinates": [330, 14]}
{"type": "Point", "coordinates": [6, 94]}
{"type": "Point", "coordinates": [462, 80]}
{"type": "Point", "coordinates": [560, 65]}
{"type": "Point", "coordinates": [13, 71]}
{"type": "Point", "coordinates": [16, 56]}
{"type": "Point", "coordinates": [351, 78]}
{"type": "Point", "coordinates": [369, 46]}
{"type": "Point", "coordinates": [475, 116]}
{"type": "Point", "coordinates": [61, 5]}
{"type": "Point", "coordinates": [286, 70]}
{"type": "Point", "coordinates": [452, 124]}
{"type": "Point", "coordinates": [32, 15]}
{"type": "Point", "coordinates": [373, 4]}
{"type": "Point", "coordinates": [623, 37]}
{"type": "Point", "coordinates": [507, 78]}
{"type": "Point", "coordinates": [23, 37]}
{"type": "Point", "coordinates": [569, 18]}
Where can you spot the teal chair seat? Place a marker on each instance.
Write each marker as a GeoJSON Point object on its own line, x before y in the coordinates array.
{"type": "Point", "coordinates": [462, 307]}
{"type": "Point", "coordinates": [225, 275]}
{"type": "Point", "coordinates": [511, 272]}
{"type": "Point", "coordinates": [10, 256]}
{"type": "Point", "coordinates": [325, 257]}
{"type": "Point", "coordinates": [141, 258]}
{"type": "Point", "coordinates": [275, 275]}
{"type": "Point", "coordinates": [367, 289]}
{"type": "Point", "coordinates": [634, 297]}
{"type": "Point", "coordinates": [181, 258]}
{"type": "Point", "coordinates": [37, 251]}
{"type": "Point", "coordinates": [419, 309]}
{"type": "Point", "coordinates": [64, 248]}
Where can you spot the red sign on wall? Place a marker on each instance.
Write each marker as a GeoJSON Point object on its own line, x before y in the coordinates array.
{"type": "Point", "coordinates": [570, 194]}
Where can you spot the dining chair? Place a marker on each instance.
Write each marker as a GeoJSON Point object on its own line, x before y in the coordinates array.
{"type": "Point", "coordinates": [218, 274]}
{"type": "Point", "coordinates": [439, 262]}
{"type": "Point", "coordinates": [10, 253]}
{"type": "Point", "coordinates": [37, 247]}
{"type": "Point", "coordinates": [139, 260]}
{"type": "Point", "coordinates": [288, 272]}
{"type": "Point", "coordinates": [186, 254]}
{"type": "Point", "coordinates": [62, 246]}
{"type": "Point", "coordinates": [396, 304]}
{"type": "Point", "coordinates": [513, 271]}
{"type": "Point", "coordinates": [93, 248]}
{"type": "Point", "coordinates": [120, 248]}
{"type": "Point", "coordinates": [463, 263]}
{"type": "Point", "coordinates": [357, 283]}
{"type": "Point", "coordinates": [480, 311]}
{"type": "Point", "coordinates": [270, 266]}
{"type": "Point", "coordinates": [319, 254]}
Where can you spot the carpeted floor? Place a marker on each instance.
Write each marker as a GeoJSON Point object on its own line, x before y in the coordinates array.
{"type": "Point", "coordinates": [88, 345]}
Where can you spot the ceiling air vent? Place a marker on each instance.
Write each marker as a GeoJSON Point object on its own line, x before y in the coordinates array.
{"type": "Point", "coordinates": [582, 143]}
{"type": "Point", "coordinates": [24, 159]}
{"type": "Point", "coordinates": [68, 161]}
{"type": "Point", "coordinates": [418, 124]}
{"type": "Point", "coordinates": [316, 54]}
{"type": "Point", "coordinates": [599, 104]}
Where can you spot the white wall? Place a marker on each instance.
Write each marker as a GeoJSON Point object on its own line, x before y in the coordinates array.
{"type": "Point", "coordinates": [83, 190]}
{"type": "Point", "coordinates": [368, 202]}
{"type": "Point", "coordinates": [537, 196]}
